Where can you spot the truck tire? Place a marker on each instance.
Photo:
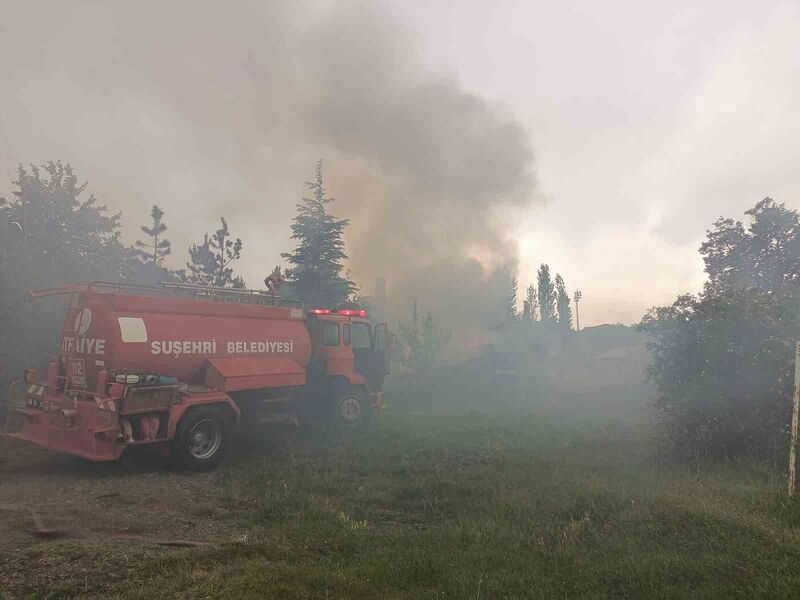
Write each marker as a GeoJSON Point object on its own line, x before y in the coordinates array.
{"type": "Point", "coordinates": [351, 409]}
{"type": "Point", "coordinates": [201, 439]}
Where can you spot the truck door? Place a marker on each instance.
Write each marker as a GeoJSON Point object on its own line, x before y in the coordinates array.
{"type": "Point", "coordinates": [371, 352]}
{"type": "Point", "coordinates": [362, 351]}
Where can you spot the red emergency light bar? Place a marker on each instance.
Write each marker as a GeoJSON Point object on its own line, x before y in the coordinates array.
{"type": "Point", "coordinates": [349, 312]}
{"type": "Point", "coordinates": [345, 312]}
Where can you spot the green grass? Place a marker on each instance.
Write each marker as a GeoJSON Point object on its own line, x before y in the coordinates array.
{"type": "Point", "coordinates": [463, 504]}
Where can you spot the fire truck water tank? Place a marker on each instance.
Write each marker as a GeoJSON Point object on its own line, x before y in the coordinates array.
{"type": "Point", "coordinates": [175, 337]}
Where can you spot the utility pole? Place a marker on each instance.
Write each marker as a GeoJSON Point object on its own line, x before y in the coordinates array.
{"type": "Point", "coordinates": [795, 417]}
{"type": "Point", "coordinates": [578, 296]}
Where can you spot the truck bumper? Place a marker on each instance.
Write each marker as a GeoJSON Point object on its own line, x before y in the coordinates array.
{"type": "Point", "coordinates": [67, 445]}
{"type": "Point", "coordinates": [77, 427]}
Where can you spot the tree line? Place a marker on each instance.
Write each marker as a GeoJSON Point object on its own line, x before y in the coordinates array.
{"type": "Point", "coordinates": [546, 310]}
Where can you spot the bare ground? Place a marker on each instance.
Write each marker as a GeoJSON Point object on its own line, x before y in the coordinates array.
{"type": "Point", "coordinates": [133, 502]}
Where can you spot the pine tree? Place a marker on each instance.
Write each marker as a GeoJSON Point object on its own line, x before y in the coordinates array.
{"type": "Point", "coordinates": [533, 303]}
{"type": "Point", "coordinates": [201, 263]}
{"type": "Point", "coordinates": [210, 261]}
{"type": "Point", "coordinates": [546, 295]}
{"type": "Point", "coordinates": [315, 274]}
{"type": "Point", "coordinates": [353, 299]}
{"type": "Point", "coordinates": [158, 247]}
{"type": "Point", "coordinates": [562, 304]}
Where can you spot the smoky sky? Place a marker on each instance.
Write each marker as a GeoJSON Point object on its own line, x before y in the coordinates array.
{"type": "Point", "coordinates": [650, 120]}
{"type": "Point", "coordinates": [647, 122]}
{"type": "Point", "coordinates": [212, 109]}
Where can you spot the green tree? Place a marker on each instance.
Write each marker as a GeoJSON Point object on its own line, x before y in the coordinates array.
{"type": "Point", "coordinates": [61, 235]}
{"type": "Point", "coordinates": [315, 274]}
{"type": "Point", "coordinates": [154, 251]}
{"type": "Point", "coordinates": [722, 360]}
{"type": "Point", "coordinates": [353, 299]}
{"type": "Point", "coordinates": [51, 234]}
{"type": "Point", "coordinates": [546, 294]}
{"type": "Point", "coordinates": [765, 254]}
{"type": "Point", "coordinates": [564, 311]}
{"type": "Point", "coordinates": [209, 262]}
{"type": "Point", "coordinates": [201, 265]}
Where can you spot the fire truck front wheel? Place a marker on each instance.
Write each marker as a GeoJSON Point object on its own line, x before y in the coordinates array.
{"type": "Point", "coordinates": [202, 439]}
{"type": "Point", "coordinates": [351, 408]}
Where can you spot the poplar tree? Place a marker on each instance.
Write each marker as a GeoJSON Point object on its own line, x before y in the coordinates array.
{"type": "Point", "coordinates": [546, 294]}
{"type": "Point", "coordinates": [533, 302]}
{"type": "Point", "coordinates": [511, 313]}
{"type": "Point", "coordinates": [563, 304]}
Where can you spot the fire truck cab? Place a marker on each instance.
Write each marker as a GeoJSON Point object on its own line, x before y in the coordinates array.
{"type": "Point", "coordinates": [182, 367]}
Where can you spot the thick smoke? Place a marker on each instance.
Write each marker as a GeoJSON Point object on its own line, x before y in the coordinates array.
{"type": "Point", "coordinates": [245, 98]}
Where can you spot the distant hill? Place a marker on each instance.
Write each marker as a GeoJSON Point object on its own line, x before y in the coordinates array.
{"type": "Point", "coordinates": [602, 340]}
{"type": "Point", "coordinates": [616, 334]}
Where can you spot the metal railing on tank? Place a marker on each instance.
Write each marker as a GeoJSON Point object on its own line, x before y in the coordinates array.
{"type": "Point", "coordinates": [174, 289]}
{"type": "Point", "coordinates": [241, 295]}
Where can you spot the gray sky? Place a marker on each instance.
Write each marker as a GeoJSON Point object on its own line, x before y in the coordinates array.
{"type": "Point", "coordinates": [611, 134]}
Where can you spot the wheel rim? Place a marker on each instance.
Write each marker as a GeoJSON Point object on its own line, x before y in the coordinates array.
{"type": "Point", "coordinates": [349, 409]}
{"type": "Point", "coordinates": [205, 439]}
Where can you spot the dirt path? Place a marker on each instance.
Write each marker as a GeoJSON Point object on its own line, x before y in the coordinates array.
{"type": "Point", "coordinates": [137, 496]}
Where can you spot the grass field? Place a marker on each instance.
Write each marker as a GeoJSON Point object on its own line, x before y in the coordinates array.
{"type": "Point", "coordinates": [460, 503]}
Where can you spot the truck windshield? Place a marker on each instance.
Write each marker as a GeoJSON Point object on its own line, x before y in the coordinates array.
{"type": "Point", "coordinates": [362, 337]}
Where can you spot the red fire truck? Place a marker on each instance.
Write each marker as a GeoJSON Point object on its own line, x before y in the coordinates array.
{"type": "Point", "coordinates": [181, 367]}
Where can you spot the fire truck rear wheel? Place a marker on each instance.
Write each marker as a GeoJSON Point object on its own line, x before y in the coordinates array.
{"type": "Point", "coordinates": [202, 439]}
